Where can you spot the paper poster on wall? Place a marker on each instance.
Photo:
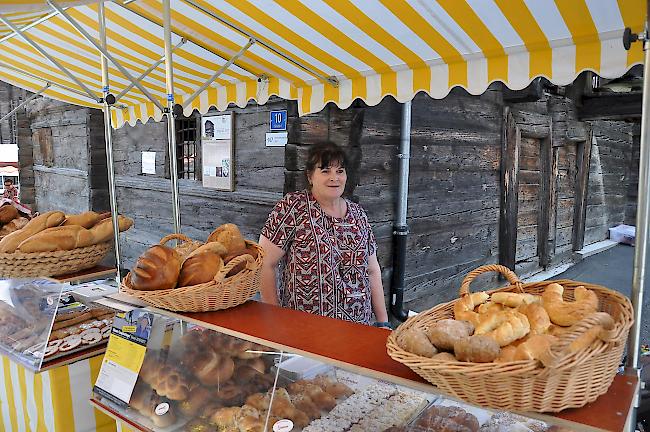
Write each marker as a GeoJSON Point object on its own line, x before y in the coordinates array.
{"type": "Point", "coordinates": [217, 151]}
{"type": "Point", "coordinates": [148, 162]}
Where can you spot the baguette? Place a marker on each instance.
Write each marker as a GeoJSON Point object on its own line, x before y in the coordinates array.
{"type": "Point", "coordinates": [103, 231]}
{"type": "Point", "coordinates": [50, 219]}
{"type": "Point", "coordinates": [86, 219]}
{"type": "Point", "coordinates": [58, 238]}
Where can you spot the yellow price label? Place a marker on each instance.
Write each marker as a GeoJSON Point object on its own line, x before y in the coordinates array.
{"type": "Point", "coordinates": [125, 353]}
{"type": "Point", "coordinates": [128, 329]}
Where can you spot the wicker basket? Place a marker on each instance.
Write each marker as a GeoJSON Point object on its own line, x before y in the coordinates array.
{"type": "Point", "coordinates": [19, 264]}
{"type": "Point", "coordinates": [571, 381]}
{"type": "Point", "coordinates": [221, 293]}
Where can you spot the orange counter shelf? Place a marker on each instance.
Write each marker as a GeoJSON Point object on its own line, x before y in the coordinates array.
{"type": "Point", "coordinates": [362, 349]}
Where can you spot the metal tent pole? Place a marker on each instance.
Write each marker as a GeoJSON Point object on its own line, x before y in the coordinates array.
{"type": "Point", "coordinates": [171, 126]}
{"type": "Point", "coordinates": [26, 101]}
{"type": "Point", "coordinates": [108, 138]}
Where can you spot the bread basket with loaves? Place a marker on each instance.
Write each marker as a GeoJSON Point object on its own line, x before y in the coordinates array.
{"type": "Point", "coordinates": [547, 370]}
{"type": "Point", "coordinates": [179, 272]}
{"type": "Point", "coordinates": [54, 244]}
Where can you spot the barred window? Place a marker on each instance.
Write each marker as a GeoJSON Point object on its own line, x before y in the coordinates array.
{"type": "Point", "coordinates": [188, 148]}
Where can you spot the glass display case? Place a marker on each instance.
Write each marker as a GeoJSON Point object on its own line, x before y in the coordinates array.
{"type": "Point", "coordinates": [198, 379]}
{"type": "Point", "coordinates": [41, 320]}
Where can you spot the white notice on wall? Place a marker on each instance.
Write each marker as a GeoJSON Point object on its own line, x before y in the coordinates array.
{"type": "Point", "coordinates": [148, 162]}
{"type": "Point", "coordinates": [276, 139]}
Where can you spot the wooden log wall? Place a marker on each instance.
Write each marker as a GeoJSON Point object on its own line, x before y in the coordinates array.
{"type": "Point", "coordinates": [632, 190]}
{"type": "Point", "coordinates": [609, 178]}
{"type": "Point", "coordinates": [259, 181]}
{"type": "Point", "coordinates": [68, 157]}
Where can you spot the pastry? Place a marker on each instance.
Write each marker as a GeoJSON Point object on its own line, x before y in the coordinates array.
{"type": "Point", "coordinates": [566, 313]}
{"type": "Point", "coordinates": [52, 348]}
{"type": "Point", "coordinates": [444, 333]}
{"type": "Point", "coordinates": [442, 418]}
{"type": "Point", "coordinates": [211, 368]}
{"type": "Point", "coordinates": [537, 317]}
{"type": "Point", "coordinates": [157, 268]}
{"type": "Point", "coordinates": [514, 300]}
{"type": "Point", "coordinates": [57, 239]}
{"type": "Point", "coordinates": [103, 230]}
{"type": "Point", "coordinates": [504, 327]}
{"type": "Point", "coordinates": [464, 307]}
{"type": "Point", "coordinates": [70, 343]}
{"type": "Point", "coordinates": [198, 398]}
{"type": "Point", "coordinates": [535, 347]}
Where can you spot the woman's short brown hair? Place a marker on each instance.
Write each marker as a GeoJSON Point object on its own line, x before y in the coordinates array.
{"type": "Point", "coordinates": [323, 155]}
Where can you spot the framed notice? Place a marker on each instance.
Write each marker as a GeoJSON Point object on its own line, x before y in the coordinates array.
{"type": "Point", "coordinates": [218, 152]}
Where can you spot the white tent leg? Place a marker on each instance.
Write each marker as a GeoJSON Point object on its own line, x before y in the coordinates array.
{"type": "Point", "coordinates": [108, 138]}
{"type": "Point", "coordinates": [171, 126]}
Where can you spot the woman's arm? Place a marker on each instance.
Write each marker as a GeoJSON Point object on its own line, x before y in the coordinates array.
{"type": "Point", "coordinates": [273, 255]}
{"type": "Point", "coordinates": [377, 289]}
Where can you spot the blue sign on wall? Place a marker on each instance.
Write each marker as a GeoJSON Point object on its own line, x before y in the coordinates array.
{"type": "Point", "coordinates": [279, 120]}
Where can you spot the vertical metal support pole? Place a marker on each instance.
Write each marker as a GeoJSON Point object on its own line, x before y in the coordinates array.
{"type": "Point", "coordinates": [171, 126]}
{"type": "Point", "coordinates": [108, 138]}
{"type": "Point", "coordinates": [642, 213]}
{"type": "Point", "coordinates": [400, 227]}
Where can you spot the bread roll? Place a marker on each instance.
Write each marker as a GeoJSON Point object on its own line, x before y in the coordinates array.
{"type": "Point", "coordinates": [86, 219]}
{"type": "Point", "coordinates": [157, 268]}
{"type": "Point", "coordinates": [47, 220]}
{"type": "Point", "coordinates": [445, 356]}
{"type": "Point", "coordinates": [8, 213]}
{"type": "Point", "coordinates": [200, 269]}
{"type": "Point", "coordinates": [58, 238]}
{"type": "Point", "coordinates": [444, 333]}
{"type": "Point", "coordinates": [514, 299]}
{"type": "Point", "coordinates": [14, 225]}
{"type": "Point", "coordinates": [103, 231]}
{"type": "Point", "coordinates": [416, 341]}
{"type": "Point", "coordinates": [229, 236]}
{"type": "Point", "coordinates": [513, 327]}
{"type": "Point", "coordinates": [476, 349]}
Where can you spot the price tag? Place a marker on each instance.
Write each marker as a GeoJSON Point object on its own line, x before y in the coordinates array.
{"type": "Point", "coordinates": [124, 355]}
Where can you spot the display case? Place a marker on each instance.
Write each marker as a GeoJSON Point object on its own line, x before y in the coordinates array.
{"type": "Point", "coordinates": [41, 321]}
{"type": "Point", "coordinates": [197, 376]}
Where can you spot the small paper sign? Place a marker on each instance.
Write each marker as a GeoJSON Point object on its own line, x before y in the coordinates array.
{"type": "Point", "coordinates": [124, 355]}
{"type": "Point", "coordinates": [148, 162]}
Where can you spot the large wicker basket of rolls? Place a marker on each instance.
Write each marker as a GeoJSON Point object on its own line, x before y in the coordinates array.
{"type": "Point", "coordinates": [54, 243]}
{"type": "Point", "coordinates": [192, 276]}
{"type": "Point", "coordinates": [543, 346]}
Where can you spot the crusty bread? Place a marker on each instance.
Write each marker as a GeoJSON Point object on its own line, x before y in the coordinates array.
{"type": "Point", "coordinates": [14, 225]}
{"type": "Point", "coordinates": [86, 219]}
{"type": "Point", "coordinates": [200, 269]}
{"type": "Point", "coordinates": [157, 268]}
{"type": "Point", "coordinates": [229, 236]}
{"type": "Point", "coordinates": [8, 213]}
{"type": "Point", "coordinates": [47, 220]}
{"type": "Point", "coordinates": [212, 246]}
{"type": "Point", "coordinates": [58, 238]}
{"type": "Point", "coordinates": [103, 230]}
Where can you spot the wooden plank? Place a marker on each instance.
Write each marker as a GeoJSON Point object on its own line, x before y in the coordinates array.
{"type": "Point", "coordinates": [545, 200]}
{"type": "Point", "coordinates": [510, 190]}
{"type": "Point", "coordinates": [611, 106]}
{"type": "Point", "coordinates": [553, 193]}
{"type": "Point", "coordinates": [583, 158]}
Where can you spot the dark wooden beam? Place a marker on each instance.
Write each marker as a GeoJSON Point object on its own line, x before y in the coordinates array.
{"type": "Point", "coordinates": [532, 93]}
{"type": "Point", "coordinates": [611, 106]}
{"type": "Point", "coordinates": [509, 190]}
{"type": "Point", "coordinates": [546, 189]}
{"type": "Point", "coordinates": [583, 158]}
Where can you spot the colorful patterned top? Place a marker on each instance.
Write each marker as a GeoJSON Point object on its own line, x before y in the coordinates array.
{"type": "Point", "coordinates": [325, 267]}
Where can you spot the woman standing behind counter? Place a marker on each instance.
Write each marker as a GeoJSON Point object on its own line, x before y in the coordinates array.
{"type": "Point", "coordinates": [324, 247]}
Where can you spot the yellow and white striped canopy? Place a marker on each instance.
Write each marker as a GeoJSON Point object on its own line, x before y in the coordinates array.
{"type": "Point", "coordinates": [368, 48]}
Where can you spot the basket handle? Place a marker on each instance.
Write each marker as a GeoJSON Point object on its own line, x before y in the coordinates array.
{"type": "Point", "coordinates": [505, 271]}
{"type": "Point", "coordinates": [221, 274]}
{"type": "Point", "coordinates": [168, 238]}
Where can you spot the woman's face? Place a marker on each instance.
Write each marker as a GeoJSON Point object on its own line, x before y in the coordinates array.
{"type": "Point", "coordinates": [328, 182]}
